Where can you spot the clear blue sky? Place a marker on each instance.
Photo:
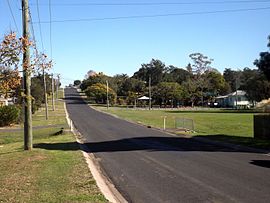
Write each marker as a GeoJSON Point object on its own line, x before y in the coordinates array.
{"type": "Point", "coordinates": [115, 46]}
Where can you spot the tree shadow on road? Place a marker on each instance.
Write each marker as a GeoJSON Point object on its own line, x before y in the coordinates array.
{"type": "Point", "coordinates": [239, 140]}
{"type": "Point", "coordinates": [150, 144]}
{"type": "Point", "coordinates": [261, 163]}
{"type": "Point", "coordinates": [144, 144]}
{"type": "Point", "coordinates": [67, 146]}
{"type": "Point", "coordinates": [74, 100]}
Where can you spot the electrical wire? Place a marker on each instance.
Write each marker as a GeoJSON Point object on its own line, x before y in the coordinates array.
{"type": "Point", "coordinates": [158, 3]}
{"type": "Point", "coordinates": [39, 23]}
{"type": "Point", "coordinates": [50, 13]}
{"type": "Point", "coordinates": [12, 16]}
{"type": "Point", "coordinates": [19, 5]}
{"type": "Point", "coordinates": [33, 34]}
{"type": "Point", "coordinates": [156, 15]}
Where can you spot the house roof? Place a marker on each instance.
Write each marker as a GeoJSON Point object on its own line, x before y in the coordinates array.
{"type": "Point", "coordinates": [143, 98]}
{"type": "Point", "coordinates": [222, 97]}
{"type": "Point", "coordinates": [239, 93]}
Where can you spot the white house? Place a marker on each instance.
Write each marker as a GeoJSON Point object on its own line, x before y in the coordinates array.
{"type": "Point", "coordinates": [234, 99]}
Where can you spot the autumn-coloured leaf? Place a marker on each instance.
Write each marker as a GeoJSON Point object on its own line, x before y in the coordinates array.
{"type": "Point", "coordinates": [9, 80]}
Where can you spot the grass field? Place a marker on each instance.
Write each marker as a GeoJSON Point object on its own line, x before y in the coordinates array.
{"type": "Point", "coordinates": [54, 171]}
{"type": "Point", "coordinates": [231, 126]}
{"type": "Point", "coordinates": [205, 122]}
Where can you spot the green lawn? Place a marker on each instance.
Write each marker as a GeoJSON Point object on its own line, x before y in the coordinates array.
{"type": "Point", "coordinates": [205, 122]}
{"type": "Point", "coordinates": [54, 171]}
{"type": "Point", "coordinates": [231, 126]}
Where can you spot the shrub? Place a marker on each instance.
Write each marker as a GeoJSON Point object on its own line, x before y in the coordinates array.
{"type": "Point", "coordinates": [98, 92]}
{"type": "Point", "coordinates": [9, 115]}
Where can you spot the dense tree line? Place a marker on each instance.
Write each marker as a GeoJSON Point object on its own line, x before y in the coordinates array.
{"type": "Point", "coordinates": [196, 84]}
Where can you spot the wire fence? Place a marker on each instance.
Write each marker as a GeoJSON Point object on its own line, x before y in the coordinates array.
{"type": "Point", "coordinates": [184, 124]}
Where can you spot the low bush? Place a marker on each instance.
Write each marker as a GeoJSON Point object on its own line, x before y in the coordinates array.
{"type": "Point", "coordinates": [9, 115]}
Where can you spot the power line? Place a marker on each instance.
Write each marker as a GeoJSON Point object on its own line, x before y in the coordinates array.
{"type": "Point", "coordinates": [40, 30]}
{"type": "Point", "coordinates": [157, 3]}
{"type": "Point", "coordinates": [157, 15]}
{"type": "Point", "coordinates": [12, 16]}
{"type": "Point", "coordinates": [50, 12]}
{"type": "Point", "coordinates": [19, 4]}
{"type": "Point", "coordinates": [33, 33]}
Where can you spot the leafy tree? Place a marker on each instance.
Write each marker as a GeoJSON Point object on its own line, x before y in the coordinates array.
{"type": "Point", "coordinates": [10, 49]}
{"type": "Point", "coordinates": [98, 92]}
{"type": "Point", "coordinates": [197, 84]}
{"type": "Point", "coordinates": [174, 74]}
{"type": "Point", "coordinates": [116, 82]}
{"type": "Point", "coordinates": [9, 115]}
{"type": "Point", "coordinates": [9, 80]}
{"type": "Point", "coordinates": [37, 90]}
{"type": "Point", "coordinates": [130, 99]}
{"type": "Point", "coordinates": [42, 62]}
{"type": "Point", "coordinates": [131, 85]}
{"type": "Point", "coordinates": [192, 91]}
{"type": "Point", "coordinates": [201, 63]}
{"type": "Point", "coordinates": [138, 86]}
{"type": "Point", "coordinates": [264, 62]}
{"type": "Point", "coordinates": [255, 85]}
{"type": "Point", "coordinates": [94, 79]}
{"type": "Point", "coordinates": [43, 65]}
{"type": "Point", "coordinates": [155, 69]}
{"type": "Point", "coordinates": [167, 92]}
{"type": "Point", "coordinates": [215, 84]}
{"type": "Point", "coordinates": [233, 78]}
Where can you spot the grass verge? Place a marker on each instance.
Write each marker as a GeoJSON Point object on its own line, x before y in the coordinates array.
{"type": "Point", "coordinates": [223, 125]}
{"type": "Point", "coordinates": [54, 171]}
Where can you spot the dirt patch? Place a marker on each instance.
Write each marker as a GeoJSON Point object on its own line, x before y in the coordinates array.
{"type": "Point", "coordinates": [37, 158]}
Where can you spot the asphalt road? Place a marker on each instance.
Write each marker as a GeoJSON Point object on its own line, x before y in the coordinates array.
{"type": "Point", "coordinates": [150, 166]}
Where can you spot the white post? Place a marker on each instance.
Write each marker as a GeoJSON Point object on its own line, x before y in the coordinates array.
{"type": "Point", "coordinates": [164, 122]}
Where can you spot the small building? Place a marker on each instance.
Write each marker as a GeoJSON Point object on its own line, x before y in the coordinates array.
{"type": "Point", "coordinates": [233, 100]}
{"type": "Point", "coordinates": [3, 102]}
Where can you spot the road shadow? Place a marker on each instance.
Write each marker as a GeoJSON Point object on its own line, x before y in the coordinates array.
{"type": "Point", "coordinates": [261, 163]}
{"type": "Point", "coordinates": [240, 140]}
{"type": "Point", "coordinates": [143, 144]}
{"type": "Point", "coordinates": [74, 100]}
{"type": "Point", "coordinates": [67, 146]}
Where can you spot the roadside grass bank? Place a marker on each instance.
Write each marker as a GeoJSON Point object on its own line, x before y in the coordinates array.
{"type": "Point", "coordinates": [222, 125]}
{"type": "Point", "coordinates": [54, 171]}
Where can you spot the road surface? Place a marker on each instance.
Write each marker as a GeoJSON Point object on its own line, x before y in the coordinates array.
{"type": "Point", "coordinates": [150, 166]}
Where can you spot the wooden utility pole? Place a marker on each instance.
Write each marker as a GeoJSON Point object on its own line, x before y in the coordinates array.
{"type": "Point", "coordinates": [149, 92]}
{"type": "Point", "coordinates": [236, 95]}
{"type": "Point", "coordinates": [53, 106]}
{"type": "Point", "coordinates": [28, 136]}
{"type": "Point", "coordinates": [107, 88]}
{"type": "Point", "coordinates": [45, 95]}
{"type": "Point", "coordinates": [57, 86]}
